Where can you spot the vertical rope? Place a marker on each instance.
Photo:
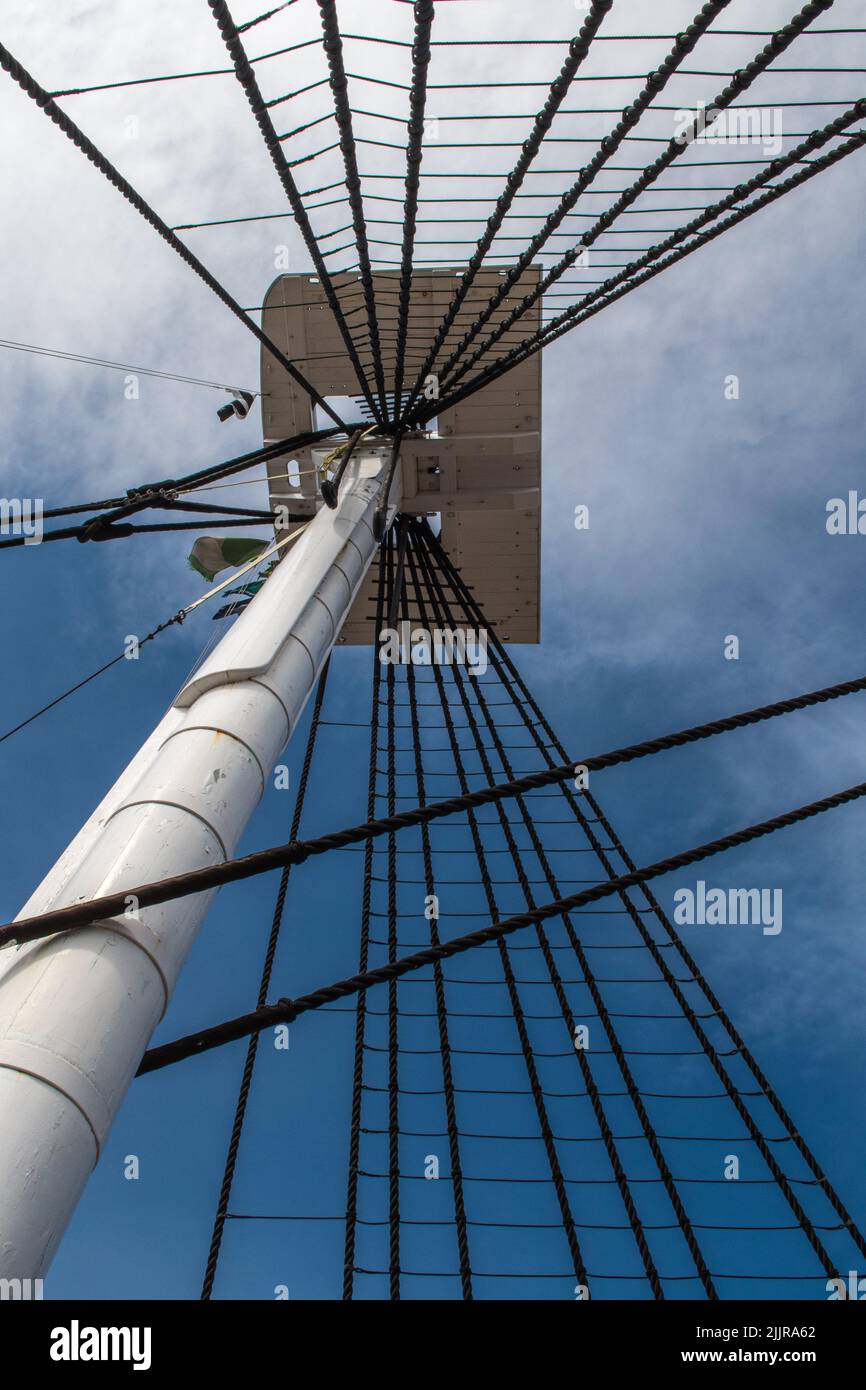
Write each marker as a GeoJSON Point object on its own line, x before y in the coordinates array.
{"type": "Point", "coordinates": [333, 46]}
{"type": "Point", "coordinates": [247, 78]}
{"type": "Point", "coordinates": [261, 1000]}
{"type": "Point", "coordinates": [557, 1177]}
{"type": "Point", "coordinates": [424, 13]}
{"type": "Point", "coordinates": [769, 1094]}
{"type": "Point", "coordinates": [739, 83]}
{"type": "Point", "coordinates": [577, 51]}
{"type": "Point", "coordinates": [363, 963]}
{"type": "Point", "coordinates": [502, 661]}
{"type": "Point", "coordinates": [441, 1010]}
{"type": "Point", "coordinates": [610, 1032]}
{"type": "Point", "coordinates": [393, 1011]}
{"type": "Point", "coordinates": [47, 104]}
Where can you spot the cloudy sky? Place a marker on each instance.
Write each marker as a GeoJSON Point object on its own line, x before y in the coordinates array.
{"type": "Point", "coordinates": [707, 519]}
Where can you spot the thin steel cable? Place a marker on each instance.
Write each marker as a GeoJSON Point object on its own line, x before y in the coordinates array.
{"type": "Point", "coordinates": [225, 1191]}
{"type": "Point", "coordinates": [38, 94]}
{"type": "Point", "coordinates": [269, 14]}
{"type": "Point", "coordinates": [87, 361]}
{"type": "Point", "coordinates": [79, 685]}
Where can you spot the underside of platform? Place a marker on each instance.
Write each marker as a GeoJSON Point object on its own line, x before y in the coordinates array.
{"type": "Point", "coordinates": [476, 470]}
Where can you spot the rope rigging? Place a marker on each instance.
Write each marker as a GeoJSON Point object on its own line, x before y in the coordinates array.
{"type": "Point", "coordinates": [457, 364]}
{"type": "Point", "coordinates": [630, 277]}
{"type": "Point", "coordinates": [261, 861]}
{"type": "Point", "coordinates": [46, 103]}
{"type": "Point", "coordinates": [166, 493]}
{"type": "Point", "coordinates": [339, 86]}
{"type": "Point", "coordinates": [675, 148]}
{"type": "Point", "coordinates": [494, 984]}
{"type": "Point", "coordinates": [264, 988]}
{"type": "Point", "coordinates": [425, 571]}
{"type": "Point", "coordinates": [247, 78]}
{"type": "Point", "coordinates": [577, 52]}
{"type": "Point", "coordinates": [178, 618]}
{"type": "Point", "coordinates": [417, 105]}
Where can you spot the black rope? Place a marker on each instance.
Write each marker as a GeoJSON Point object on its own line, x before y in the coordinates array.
{"type": "Point", "coordinates": [330, 487]}
{"type": "Point", "coordinates": [339, 88]}
{"type": "Point", "coordinates": [394, 583]}
{"type": "Point", "coordinates": [439, 985]}
{"type": "Point", "coordinates": [289, 1009]}
{"type": "Point", "coordinates": [578, 50]}
{"type": "Point", "coordinates": [499, 655]}
{"type": "Point", "coordinates": [740, 83]}
{"type": "Point", "coordinates": [529, 1056]}
{"type": "Point", "coordinates": [778, 166]}
{"type": "Point", "coordinates": [261, 861]}
{"type": "Point", "coordinates": [566, 1012]}
{"type": "Point", "coordinates": [98, 530]}
{"type": "Point", "coordinates": [655, 83]}
{"type": "Point", "coordinates": [264, 988]}
{"type": "Point", "coordinates": [247, 78]}
{"type": "Point", "coordinates": [164, 493]}
{"type": "Point", "coordinates": [380, 516]}
{"type": "Point", "coordinates": [424, 13]}
{"type": "Point", "coordinates": [766, 1089]}
{"type": "Point", "coordinates": [361, 1015]}
{"type": "Point", "coordinates": [38, 94]}
{"type": "Point", "coordinates": [582, 311]}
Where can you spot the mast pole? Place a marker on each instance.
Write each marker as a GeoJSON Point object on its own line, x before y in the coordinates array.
{"type": "Point", "coordinates": [77, 1010]}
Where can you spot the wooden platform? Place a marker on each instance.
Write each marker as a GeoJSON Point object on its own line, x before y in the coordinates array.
{"type": "Point", "coordinates": [479, 465]}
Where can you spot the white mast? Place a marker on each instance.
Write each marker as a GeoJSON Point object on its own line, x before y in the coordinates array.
{"type": "Point", "coordinates": [77, 1010]}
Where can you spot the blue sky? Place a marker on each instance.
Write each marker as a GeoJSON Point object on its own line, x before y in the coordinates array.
{"type": "Point", "coordinates": [707, 519]}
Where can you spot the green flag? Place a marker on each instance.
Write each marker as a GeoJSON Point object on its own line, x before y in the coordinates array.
{"type": "Point", "coordinates": [210, 554]}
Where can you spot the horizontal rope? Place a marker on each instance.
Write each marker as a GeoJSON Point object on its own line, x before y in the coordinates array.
{"type": "Point", "coordinates": [288, 1010]}
{"type": "Point", "coordinates": [46, 103]}
{"type": "Point", "coordinates": [261, 861]}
